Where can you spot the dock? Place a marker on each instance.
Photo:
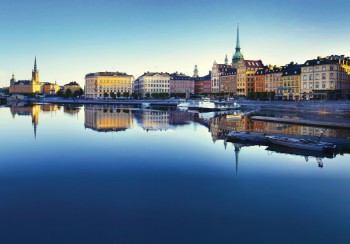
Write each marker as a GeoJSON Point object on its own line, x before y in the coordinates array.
{"type": "Point", "coordinates": [327, 124]}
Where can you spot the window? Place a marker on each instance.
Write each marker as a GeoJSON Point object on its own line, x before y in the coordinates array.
{"type": "Point", "coordinates": [304, 70]}
{"type": "Point", "coordinates": [317, 69]}
{"type": "Point", "coordinates": [332, 68]}
{"type": "Point", "coordinates": [317, 85]}
{"type": "Point", "coordinates": [317, 76]}
{"type": "Point", "coordinates": [311, 85]}
{"type": "Point", "coordinates": [304, 85]}
{"type": "Point", "coordinates": [323, 76]}
{"type": "Point", "coordinates": [305, 77]}
{"type": "Point", "coordinates": [311, 69]}
{"type": "Point", "coordinates": [323, 84]}
{"type": "Point", "coordinates": [311, 77]}
{"type": "Point", "coordinates": [331, 75]}
{"type": "Point", "coordinates": [323, 68]}
{"type": "Point", "coordinates": [332, 84]}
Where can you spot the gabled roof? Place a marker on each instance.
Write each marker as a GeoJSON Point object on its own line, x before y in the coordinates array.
{"type": "Point", "coordinates": [253, 63]}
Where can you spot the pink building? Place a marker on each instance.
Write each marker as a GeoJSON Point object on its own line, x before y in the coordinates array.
{"type": "Point", "coordinates": [181, 84]}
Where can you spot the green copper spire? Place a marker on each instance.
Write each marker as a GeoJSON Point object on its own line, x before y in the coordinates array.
{"type": "Point", "coordinates": [238, 55]}
{"type": "Point", "coordinates": [195, 72]}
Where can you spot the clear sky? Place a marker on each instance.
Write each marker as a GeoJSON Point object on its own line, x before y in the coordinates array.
{"type": "Point", "coordinates": [75, 37]}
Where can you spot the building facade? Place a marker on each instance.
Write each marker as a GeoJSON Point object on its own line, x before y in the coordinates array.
{"type": "Point", "coordinates": [50, 89]}
{"type": "Point", "coordinates": [181, 84]}
{"type": "Point", "coordinates": [105, 84]}
{"type": "Point", "coordinates": [246, 70]}
{"type": "Point", "coordinates": [259, 80]}
{"type": "Point", "coordinates": [273, 80]}
{"type": "Point", "coordinates": [73, 86]}
{"type": "Point", "coordinates": [202, 85]}
{"type": "Point", "coordinates": [291, 82]}
{"type": "Point", "coordinates": [153, 82]}
{"type": "Point", "coordinates": [228, 81]}
{"type": "Point", "coordinates": [324, 78]}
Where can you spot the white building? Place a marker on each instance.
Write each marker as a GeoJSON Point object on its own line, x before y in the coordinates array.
{"type": "Point", "coordinates": [150, 83]}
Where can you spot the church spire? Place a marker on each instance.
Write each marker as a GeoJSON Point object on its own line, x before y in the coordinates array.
{"type": "Point", "coordinates": [195, 72]}
{"type": "Point", "coordinates": [226, 60]}
{"type": "Point", "coordinates": [238, 55]}
{"type": "Point", "coordinates": [238, 46]}
{"type": "Point", "coordinates": [35, 67]}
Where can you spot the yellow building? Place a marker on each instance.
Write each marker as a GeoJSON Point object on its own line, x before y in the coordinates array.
{"type": "Point", "coordinates": [73, 86]}
{"type": "Point", "coordinates": [101, 84]}
{"type": "Point", "coordinates": [50, 89]}
{"type": "Point", "coordinates": [26, 86]}
{"type": "Point", "coordinates": [246, 70]}
{"type": "Point", "coordinates": [291, 82]}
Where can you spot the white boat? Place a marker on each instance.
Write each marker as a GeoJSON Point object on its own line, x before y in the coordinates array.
{"type": "Point", "coordinates": [206, 103]}
{"type": "Point", "coordinates": [300, 143]}
{"type": "Point", "coordinates": [145, 105]}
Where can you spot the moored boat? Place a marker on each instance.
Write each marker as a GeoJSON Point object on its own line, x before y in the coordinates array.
{"type": "Point", "coordinates": [300, 143]}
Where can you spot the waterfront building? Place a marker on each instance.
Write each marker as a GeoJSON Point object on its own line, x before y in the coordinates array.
{"type": "Point", "coordinates": [291, 82]}
{"type": "Point", "coordinates": [228, 81]}
{"type": "Point", "coordinates": [107, 84]}
{"type": "Point", "coordinates": [202, 85]}
{"type": "Point", "coordinates": [26, 86]}
{"type": "Point", "coordinates": [50, 89]}
{"type": "Point", "coordinates": [181, 84]}
{"type": "Point", "coordinates": [217, 71]}
{"type": "Point", "coordinates": [324, 78]}
{"type": "Point", "coordinates": [246, 70]}
{"type": "Point", "coordinates": [153, 82]}
{"type": "Point", "coordinates": [73, 86]}
{"type": "Point", "coordinates": [259, 80]}
{"type": "Point", "coordinates": [273, 80]}
{"type": "Point", "coordinates": [105, 119]}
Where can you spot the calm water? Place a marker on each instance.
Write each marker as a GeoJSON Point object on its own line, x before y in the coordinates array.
{"type": "Point", "coordinates": [111, 175]}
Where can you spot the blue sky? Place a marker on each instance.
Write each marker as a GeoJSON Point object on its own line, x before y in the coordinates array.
{"type": "Point", "coordinates": [75, 37]}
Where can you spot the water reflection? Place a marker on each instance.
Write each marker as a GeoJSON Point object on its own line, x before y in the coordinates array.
{"type": "Point", "coordinates": [115, 119]}
{"type": "Point", "coordinates": [105, 119]}
{"type": "Point", "coordinates": [33, 111]}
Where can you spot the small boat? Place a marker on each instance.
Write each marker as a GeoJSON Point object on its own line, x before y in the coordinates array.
{"type": "Point", "coordinates": [206, 103]}
{"type": "Point", "coordinates": [301, 143]}
{"type": "Point", "coordinates": [183, 105]}
{"type": "Point", "coordinates": [145, 105]}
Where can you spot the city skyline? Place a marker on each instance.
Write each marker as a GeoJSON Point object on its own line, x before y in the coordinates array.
{"type": "Point", "coordinates": [160, 36]}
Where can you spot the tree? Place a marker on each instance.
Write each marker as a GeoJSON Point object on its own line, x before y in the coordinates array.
{"type": "Point", "coordinates": [113, 95]}
{"type": "Point", "coordinates": [76, 93]}
{"type": "Point", "coordinates": [126, 94]}
{"type": "Point", "coordinates": [148, 95]}
{"type": "Point", "coordinates": [105, 95]}
{"type": "Point", "coordinates": [118, 94]}
{"type": "Point", "coordinates": [68, 93]}
{"type": "Point", "coordinates": [60, 93]}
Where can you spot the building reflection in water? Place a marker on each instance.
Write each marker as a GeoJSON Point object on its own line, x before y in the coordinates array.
{"type": "Point", "coordinates": [33, 111]}
{"type": "Point", "coordinates": [220, 127]}
{"type": "Point", "coordinates": [104, 119]}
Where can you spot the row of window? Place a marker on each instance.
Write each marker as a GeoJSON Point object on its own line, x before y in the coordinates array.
{"type": "Point", "coordinates": [311, 69]}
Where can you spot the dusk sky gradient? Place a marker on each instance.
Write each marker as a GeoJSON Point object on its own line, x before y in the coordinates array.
{"type": "Point", "coordinates": [74, 37]}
